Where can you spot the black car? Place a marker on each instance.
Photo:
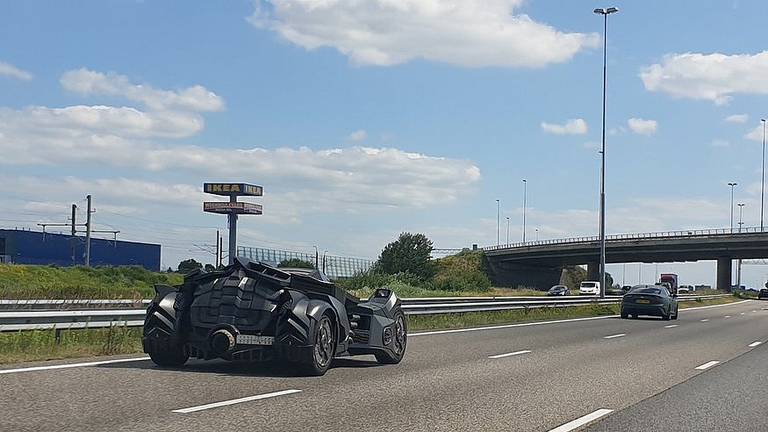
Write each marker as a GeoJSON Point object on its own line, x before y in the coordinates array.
{"type": "Point", "coordinates": [652, 300]}
{"type": "Point", "coordinates": [250, 311]}
{"type": "Point", "coordinates": [763, 294]}
{"type": "Point", "coordinates": [559, 290]}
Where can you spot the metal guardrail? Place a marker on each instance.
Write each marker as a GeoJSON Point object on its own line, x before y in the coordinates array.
{"type": "Point", "coordinates": [635, 236]}
{"type": "Point", "coordinates": [17, 320]}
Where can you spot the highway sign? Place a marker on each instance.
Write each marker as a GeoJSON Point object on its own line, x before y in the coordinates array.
{"type": "Point", "coordinates": [233, 189]}
{"type": "Point", "coordinates": [223, 207]}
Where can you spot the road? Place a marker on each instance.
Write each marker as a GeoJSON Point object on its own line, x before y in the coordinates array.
{"type": "Point", "coordinates": [507, 378]}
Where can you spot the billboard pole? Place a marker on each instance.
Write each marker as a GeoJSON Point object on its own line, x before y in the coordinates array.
{"type": "Point", "coordinates": [232, 217]}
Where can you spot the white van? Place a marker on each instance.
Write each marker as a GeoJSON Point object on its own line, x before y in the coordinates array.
{"type": "Point", "coordinates": [589, 288]}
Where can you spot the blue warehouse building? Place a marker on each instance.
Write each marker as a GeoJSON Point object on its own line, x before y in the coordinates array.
{"type": "Point", "coordinates": [35, 247]}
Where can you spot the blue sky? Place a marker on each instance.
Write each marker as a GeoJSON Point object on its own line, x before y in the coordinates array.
{"type": "Point", "coordinates": [373, 119]}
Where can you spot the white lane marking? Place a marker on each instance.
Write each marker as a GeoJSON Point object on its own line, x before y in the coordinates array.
{"type": "Point", "coordinates": [707, 365]}
{"type": "Point", "coordinates": [754, 344]}
{"type": "Point", "coordinates": [705, 320]}
{"type": "Point", "coordinates": [234, 401]}
{"type": "Point", "coordinates": [727, 316]}
{"type": "Point", "coordinates": [671, 326]}
{"type": "Point", "coordinates": [615, 336]}
{"type": "Point", "coordinates": [581, 421]}
{"type": "Point", "coordinates": [498, 356]}
{"type": "Point", "coordinates": [741, 313]}
{"type": "Point", "coordinates": [71, 365]}
{"type": "Point", "coordinates": [506, 326]}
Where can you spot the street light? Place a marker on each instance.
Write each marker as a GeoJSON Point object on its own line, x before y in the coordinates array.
{"type": "Point", "coordinates": [762, 184]}
{"type": "Point", "coordinates": [498, 216]}
{"type": "Point", "coordinates": [525, 200]}
{"type": "Point", "coordinates": [732, 185]}
{"type": "Point", "coordinates": [537, 234]}
{"type": "Point", "coordinates": [604, 13]}
{"type": "Point", "coordinates": [507, 230]}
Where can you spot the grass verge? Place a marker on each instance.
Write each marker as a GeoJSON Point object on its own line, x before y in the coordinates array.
{"type": "Point", "coordinates": [16, 347]}
{"type": "Point", "coordinates": [49, 282]}
{"type": "Point", "coordinates": [34, 345]}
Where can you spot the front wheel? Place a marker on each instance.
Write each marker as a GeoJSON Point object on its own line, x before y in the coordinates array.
{"type": "Point", "coordinates": [323, 347]}
{"type": "Point", "coordinates": [398, 343]}
{"type": "Point", "coordinates": [677, 312]}
{"type": "Point", "coordinates": [624, 315]}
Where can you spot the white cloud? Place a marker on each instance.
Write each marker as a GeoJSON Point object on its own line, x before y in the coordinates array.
{"type": "Point", "coordinates": [471, 33]}
{"type": "Point", "coordinates": [737, 118]}
{"type": "Point", "coordinates": [592, 145]}
{"type": "Point", "coordinates": [358, 135]}
{"type": "Point", "coordinates": [714, 77]}
{"type": "Point", "coordinates": [9, 70]}
{"type": "Point", "coordinates": [87, 82]}
{"type": "Point", "coordinates": [755, 134]}
{"type": "Point", "coordinates": [91, 122]}
{"type": "Point", "coordinates": [642, 127]}
{"type": "Point", "coordinates": [571, 127]}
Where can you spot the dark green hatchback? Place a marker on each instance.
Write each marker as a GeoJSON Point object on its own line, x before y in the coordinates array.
{"type": "Point", "coordinates": [654, 300]}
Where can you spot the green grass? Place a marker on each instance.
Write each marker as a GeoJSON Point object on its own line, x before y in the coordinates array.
{"type": "Point", "coordinates": [34, 345]}
{"type": "Point", "coordinates": [48, 282]}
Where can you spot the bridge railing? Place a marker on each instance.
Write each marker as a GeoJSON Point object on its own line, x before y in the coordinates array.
{"type": "Point", "coordinates": [631, 236]}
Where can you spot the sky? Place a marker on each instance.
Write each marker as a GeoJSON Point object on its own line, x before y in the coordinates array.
{"type": "Point", "coordinates": [363, 119]}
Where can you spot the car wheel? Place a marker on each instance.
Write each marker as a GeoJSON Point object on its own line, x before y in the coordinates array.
{"type": "Point", "coordinates": [677, 312]}
{"type": "Point", "coordinates": [624, 315]}
{"type": "Point", "coordinates": [321, 355]}
{"type": "Point", "coordinates": [168, 355]}
{"type": "Point", "coordinates": [666, 316]}
{"type": "Point", "coordinates": [399, 341]}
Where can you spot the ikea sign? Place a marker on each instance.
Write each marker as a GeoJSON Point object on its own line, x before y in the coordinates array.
{"type": "Point", "coordinates": [233, 189]}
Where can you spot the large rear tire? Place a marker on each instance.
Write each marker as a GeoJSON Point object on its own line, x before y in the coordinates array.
{"type": "Point", "coordinates": [170, 355]}
{"type": "Point", "coordinates": [399, 341]}
{"type": "Point", "coordinates": [323, 347]}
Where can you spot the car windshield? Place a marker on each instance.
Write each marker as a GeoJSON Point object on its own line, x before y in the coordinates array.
{"type": "Point", "coordinates": [588, 284]}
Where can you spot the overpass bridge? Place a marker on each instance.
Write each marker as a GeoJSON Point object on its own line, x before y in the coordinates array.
{"type": "Point", "coordinates": [540, 263]}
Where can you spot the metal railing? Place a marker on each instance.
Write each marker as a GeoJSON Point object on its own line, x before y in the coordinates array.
{"type": "Point", "coordinates": [17, 320]}
{"type": "Point", "coordinates": [633, 236]}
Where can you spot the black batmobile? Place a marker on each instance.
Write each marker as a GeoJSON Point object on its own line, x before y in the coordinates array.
{"type": "Point", "coordinates": [250, 311]}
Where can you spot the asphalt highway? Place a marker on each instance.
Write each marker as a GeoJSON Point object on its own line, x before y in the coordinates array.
{"type": "Point", "coordinates": [544, 377]}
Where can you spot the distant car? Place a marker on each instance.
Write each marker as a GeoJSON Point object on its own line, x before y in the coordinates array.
{"type": "Point", "coordinates": [763, 294]}
{"type": "Point", "coordinates": [683, 289]}
{"type": "Point", "coordinates": [559, 290]}
{"type": "Point", "coordinates": [654, 300]}
{"type": "Point", "coordinates": [589, 288]}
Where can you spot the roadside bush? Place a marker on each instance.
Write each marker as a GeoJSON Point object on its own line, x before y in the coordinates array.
{"type": "Point", "coordinates": [461, 272]}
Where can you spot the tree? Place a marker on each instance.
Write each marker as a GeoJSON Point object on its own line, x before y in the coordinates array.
{"type": "Point", "coordinates": [573, 276]}
{"type": "Point", "coordinates": [410, 253]}
{"type": "Point", "coordinates": [189, 265]}
{"type": "Point", "coordinates": [209, 268]}
{"type": "Point", "coordinates": [296, 263]}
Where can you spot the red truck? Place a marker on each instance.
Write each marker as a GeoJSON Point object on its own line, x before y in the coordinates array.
{"type": "Point", "coordinates": [671, 279]}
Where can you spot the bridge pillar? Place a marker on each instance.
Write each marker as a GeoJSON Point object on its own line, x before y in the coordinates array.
{"type": "Point", "coordinates": [593, 271]}
{"type": "Point", "coordinates": [724, 270]}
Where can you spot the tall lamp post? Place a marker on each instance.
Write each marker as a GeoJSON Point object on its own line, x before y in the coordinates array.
{"type": "Point", "coordinates": [738, 266]}
{"type": "Point", "coordinates": [762, 184]}
{"type": "Point", "coordinates": [498, 222]}
{"type": "Point", "coordinates": [604, 13]}
{"type": "Point", "coordinates": [732, 185]}
{"type": "Point", "coordinates": [507, 230]}
{"type": "Point", "coordinates": [525, 203]}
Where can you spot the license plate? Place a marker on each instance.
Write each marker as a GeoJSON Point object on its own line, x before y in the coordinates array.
{"type": "Point", "coordinates": [255, 340]}
{"type": "Point", "coordinates": [643, 301]}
